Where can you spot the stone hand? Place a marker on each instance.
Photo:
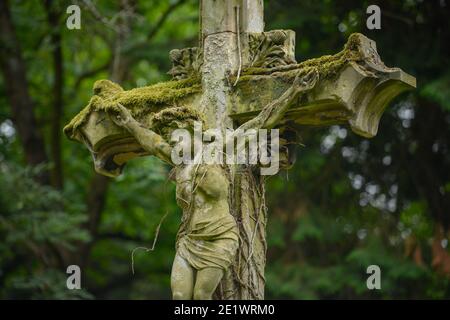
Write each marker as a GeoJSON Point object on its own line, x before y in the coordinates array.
{"type": "Point", "coordinates": [307, 81]}
{"type": "Point", "coordinates": [121, 116]}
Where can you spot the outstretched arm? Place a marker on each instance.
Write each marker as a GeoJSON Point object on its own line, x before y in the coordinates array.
{"type": "Point", "coordinates": [148, 139]}
{"type": "Point", "coordinates": [274, 112]}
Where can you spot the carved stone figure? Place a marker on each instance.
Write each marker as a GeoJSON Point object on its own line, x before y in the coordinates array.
{"type": "Point", "coordinates": [238, 77]}
{"type": "Point", "coordinates": [208, 237]}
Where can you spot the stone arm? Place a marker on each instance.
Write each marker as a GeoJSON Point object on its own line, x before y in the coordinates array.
{"type": "Point", "coordinates": [149, 140]}
{"type": "Point", "coordinates": [271, 115]}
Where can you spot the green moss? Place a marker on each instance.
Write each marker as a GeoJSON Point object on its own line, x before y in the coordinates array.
{"type": "Point", "coordinates": [166, 120]}
{"type": "Point", "coordinates": [328, 66]}
{"type": "Point", "coordinates": [145, 100]}
{"type": "Point", "coordinates": [140, 101]}
{"type": "Point", "coordinates": [106, 88]}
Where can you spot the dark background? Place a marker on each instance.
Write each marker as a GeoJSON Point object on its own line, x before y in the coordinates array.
{"type": "Point", "coordinates": [348, 203]}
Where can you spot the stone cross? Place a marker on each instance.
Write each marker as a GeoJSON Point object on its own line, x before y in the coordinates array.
{"type": "Point", "coordinates": [238, 70]}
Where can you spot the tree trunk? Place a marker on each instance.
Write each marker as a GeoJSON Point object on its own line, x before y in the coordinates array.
{"type": "Point", "coordinates": [58, 84]}
{"type": "Point", "coordinates": [17, 91]}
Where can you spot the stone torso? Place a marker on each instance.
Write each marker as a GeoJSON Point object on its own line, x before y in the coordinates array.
{"type": "Point", "coordinates": [208, 235]}
{"type": "Point", "coordinates": [202, 190]}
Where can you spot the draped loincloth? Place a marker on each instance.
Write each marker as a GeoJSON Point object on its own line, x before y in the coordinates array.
{"type": "Point", "coordinates": [212, 242]}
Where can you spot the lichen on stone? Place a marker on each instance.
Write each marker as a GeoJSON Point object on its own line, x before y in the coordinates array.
{"type": "Point", "coordinates": [327, 66]}
{"type": "Point", "coordinates": [140, 101]}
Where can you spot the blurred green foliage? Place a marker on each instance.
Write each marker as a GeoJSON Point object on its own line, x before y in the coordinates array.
{"type": "Point", "coordinates": [347, 203]}
{"type": "Point", "coordinates": [35, 219]}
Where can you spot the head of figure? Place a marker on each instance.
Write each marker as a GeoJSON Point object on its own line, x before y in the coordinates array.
{"type": "Point", "coordinates": [170, 119]}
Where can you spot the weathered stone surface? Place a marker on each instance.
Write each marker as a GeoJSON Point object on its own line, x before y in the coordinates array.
{"type": "Point", "coordinates": [237, 72]}
{"type": "Point", "coordinates": [220, 16]}
{"type": "Point", "coordinates": [354, 87]}
{"type": "Point", "coordinates": [111, 147]}
{"type": "Point", "coordinates": [186, 63]}
{"type": "Point", "coordinates": [268, 49]}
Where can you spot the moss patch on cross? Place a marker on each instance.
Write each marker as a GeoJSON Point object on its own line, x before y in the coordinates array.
{"type": "Point", "coordinates": [328, 65]}
{"type": "Point", "coordinates": [140, 101]}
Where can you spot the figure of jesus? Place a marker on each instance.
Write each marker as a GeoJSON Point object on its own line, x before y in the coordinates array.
{"type": "Point", "coordinates": [207, 240]}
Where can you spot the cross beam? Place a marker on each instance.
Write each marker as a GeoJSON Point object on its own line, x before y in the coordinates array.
{"type": "Point", "coordinates": [354, 87]}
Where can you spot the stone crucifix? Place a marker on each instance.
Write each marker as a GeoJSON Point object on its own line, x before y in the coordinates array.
{"type": "Point", "coordinates": [239, 76]}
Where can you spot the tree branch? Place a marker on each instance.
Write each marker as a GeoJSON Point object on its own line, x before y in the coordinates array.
{"type": "Point", "coordinates": [97, 15]}
{"type": "Point", "coordinates": [158, 25]}
{"type": "Point", "coordinates": [163, 18]}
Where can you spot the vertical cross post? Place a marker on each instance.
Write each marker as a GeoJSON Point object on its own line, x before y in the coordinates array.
{"type": "Point", "coordinates": [223, 26]}
{"type": "Point", "coordinates": [222, 23]}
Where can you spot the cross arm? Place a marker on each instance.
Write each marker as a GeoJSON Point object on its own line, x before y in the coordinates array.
{"type": "Point", "coordinates": [111, 145]}
{"type": "Point", "coordinates": [354, 87]}
{"type": "Point", "coordinates": [148, 139]}
{"type": "Point", "coordinates": [271, 114]}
